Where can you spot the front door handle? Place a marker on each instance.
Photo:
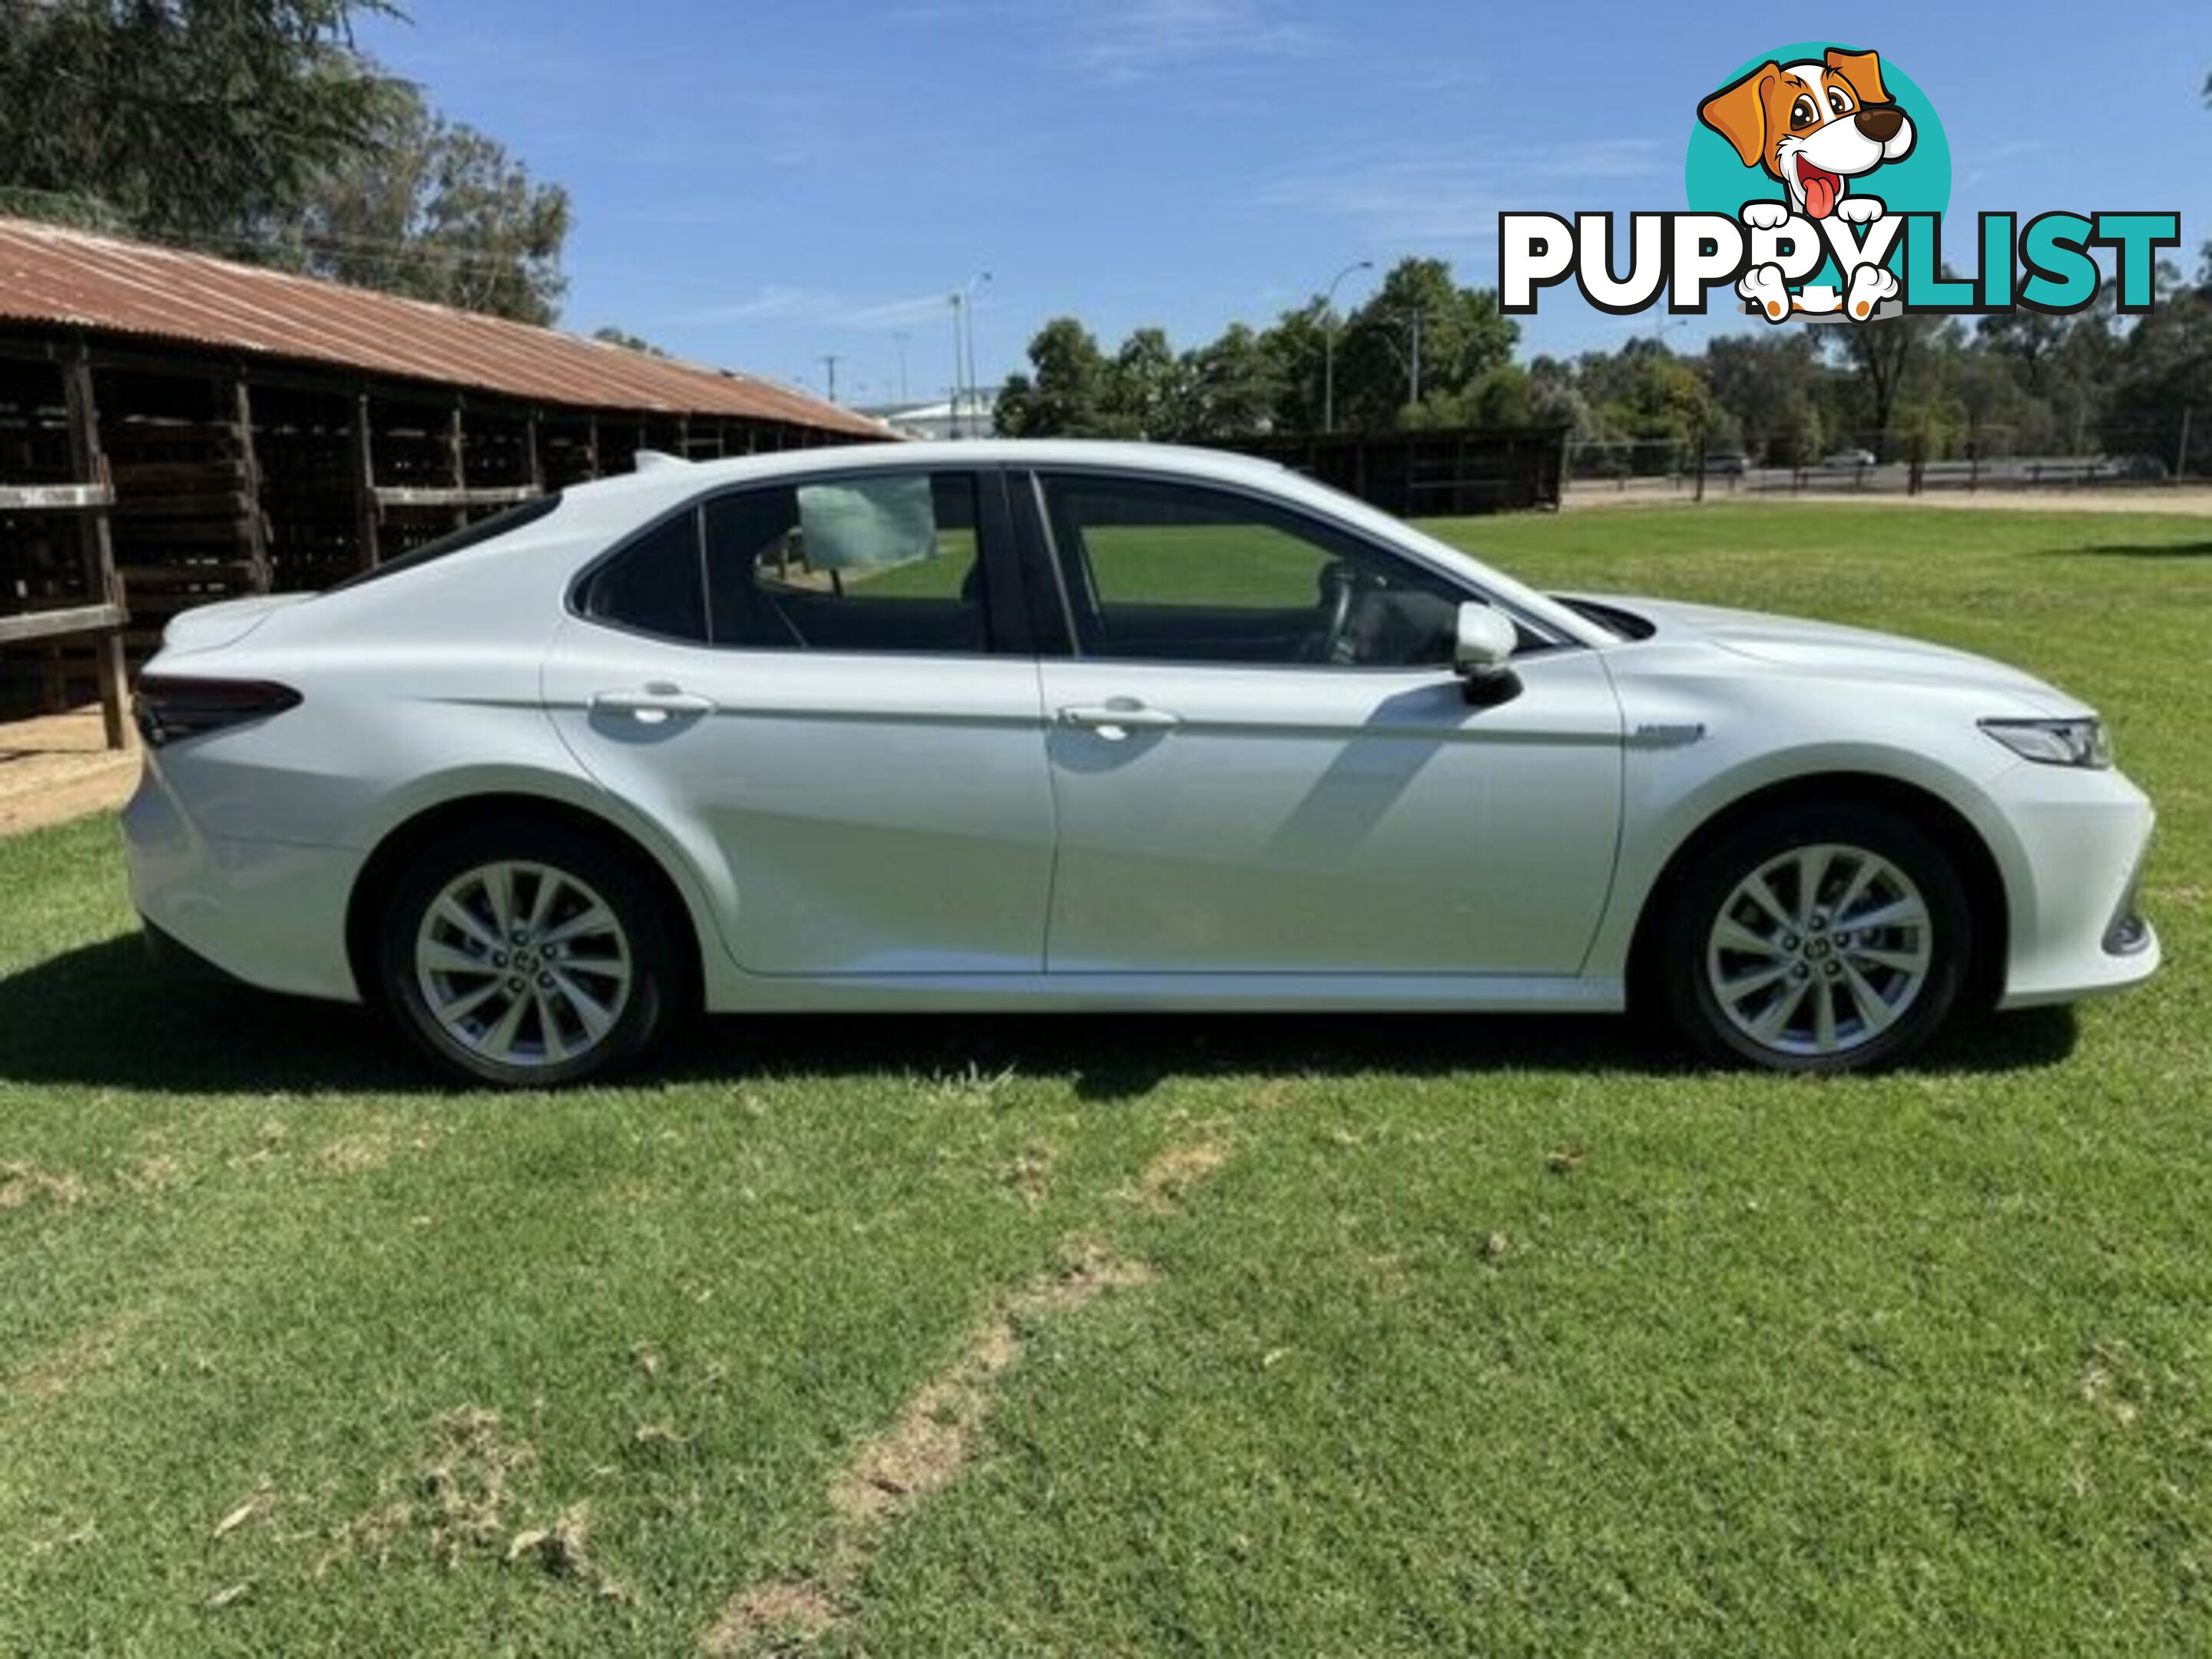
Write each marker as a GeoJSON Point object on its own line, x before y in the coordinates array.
{"type": "Point", "coordinates": [652, 705]}
{"type": "Point", "coordinates": [1116, 720]}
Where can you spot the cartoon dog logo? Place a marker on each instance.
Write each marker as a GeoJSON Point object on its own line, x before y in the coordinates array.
{"type": "Point", "coordinates": [1815, 127]}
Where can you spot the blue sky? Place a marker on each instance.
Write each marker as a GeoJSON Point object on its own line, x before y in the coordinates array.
{"type": "Point", "coordinates": [759, 183]}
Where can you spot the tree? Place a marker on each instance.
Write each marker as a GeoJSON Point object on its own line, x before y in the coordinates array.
{"type": "Point", "coordinates": [1883, 356]}
{"type": "Point", "coordinates": [1234, 386]}
{"type": "Point", "coordinates": [1770, 383]}
{"type": "Point", "coordinates": [1067, 397]}
{"type": "Point", "coordinates": [1147, 390]}
{"type": "Point", "coordinates": [433, 209]}
{"type": "Point", "coordinates": [254, 129]}
{"type": "Point", "coordinates": [1295, 348]}
{"type": "Point", "coordinates": [608, 334]}
{"type": "Point", "coordinates": [185, 119]}
{"type": "Point", "coordinates": [1419, 324]}
{"type": "Point", "coordinates": [2163, 392]}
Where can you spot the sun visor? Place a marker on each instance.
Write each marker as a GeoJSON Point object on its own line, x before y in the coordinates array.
{"type": "Point", "coordinates": [867, 523]}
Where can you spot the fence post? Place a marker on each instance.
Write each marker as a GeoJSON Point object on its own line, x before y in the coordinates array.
{"type": "Point", "coordinates": [95, 540]}
{"type": "Point", "coordinates": [2181, 452]}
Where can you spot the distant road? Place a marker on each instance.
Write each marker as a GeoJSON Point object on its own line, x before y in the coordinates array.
{"type": "Point", "coordinates": [2110, 498]}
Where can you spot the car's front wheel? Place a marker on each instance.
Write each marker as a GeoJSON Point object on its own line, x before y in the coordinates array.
{"type": "Point", "coordinates": [1816, 939]}
{"type": "Point", "coordinates": [526, 953]}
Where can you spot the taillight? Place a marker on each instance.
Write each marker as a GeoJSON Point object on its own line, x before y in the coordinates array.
{"type": "Point", "coordinates": [168, 707]}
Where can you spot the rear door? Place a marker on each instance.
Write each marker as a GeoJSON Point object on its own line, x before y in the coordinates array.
{"type": "Point", "coordinates": [1263, 763]}
{"type": "Point", "coordinates": [823, 689]}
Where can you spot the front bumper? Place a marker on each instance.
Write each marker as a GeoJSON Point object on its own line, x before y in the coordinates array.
{"type": "Point", "coordinates": [269, 913]}
{"type": "Point", "coordinates": [2079, 840]}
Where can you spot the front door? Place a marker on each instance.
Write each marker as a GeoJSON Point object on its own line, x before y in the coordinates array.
{"type": "Point", "coordinates": [1263, 762]}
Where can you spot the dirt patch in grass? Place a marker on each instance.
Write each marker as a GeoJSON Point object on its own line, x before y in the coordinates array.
{"type": "Point", "coordinates": [155, 1174]}
{"type": "Point", "coordinates": [89, 1350]}
{"type": "Point", "coordinates": [1171, 1177]}
{"type": "Point", "coordinates": [458, 1496]}
{"type": "Point", "coordinates": [352, 1154]}
{"type": "Point", "coordinates": [21, 1183]}
{"type": "Point", "coordinates": [464, 1496]}
{"type": "Point", "coordinates": [923, 1451]}
{"type": "Point", "coordinates": [1031, 1176]}
{"type": "Point", "coordinates": [934, 1434]}
{"type": "Point", "coordinates": [559, 1549]}
{"type": "Point", "coordinates": [933, 1437]}
{"type": "Point", "coordinates": [770, 1614]}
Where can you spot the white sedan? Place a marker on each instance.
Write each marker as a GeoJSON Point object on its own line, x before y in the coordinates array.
{"type": "Point", "coordinates": [1065, 725]}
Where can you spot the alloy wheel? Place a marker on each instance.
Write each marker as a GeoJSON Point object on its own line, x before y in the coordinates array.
{"type": "Point", "coordinates": [523, 963]}
{"type": "Point", "coordinates": [1819, 951]}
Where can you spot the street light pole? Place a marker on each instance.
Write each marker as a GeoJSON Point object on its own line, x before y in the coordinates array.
{"type": "Point", "coordinates": [959, 356]}
{"type": "Point", "coordinates": [1329, 343]}
{"type": "Point", "coordinates": [974, 390]}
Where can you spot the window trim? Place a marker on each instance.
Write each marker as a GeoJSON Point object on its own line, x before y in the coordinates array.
{"type": "Point", "coordinates": [1045, 546]}
{"type": "Point", "coordinates": [1006, 611]}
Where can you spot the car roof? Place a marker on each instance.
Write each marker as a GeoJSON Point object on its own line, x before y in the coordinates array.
{"type": "Point", "coordinates": [682, 477]}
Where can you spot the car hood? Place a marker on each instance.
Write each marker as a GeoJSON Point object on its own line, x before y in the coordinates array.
{"type": "Point", "coordinates": [1826, 649]}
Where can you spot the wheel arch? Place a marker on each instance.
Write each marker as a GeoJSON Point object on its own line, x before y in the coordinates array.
{"type": "Point", "coordinates": [1936, 817]}
{"type": "Point", "coordinates": [373, 888]}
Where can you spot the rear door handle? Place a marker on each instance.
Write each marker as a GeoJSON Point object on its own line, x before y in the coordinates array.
{"type": "Point", "coordinates": [654, 705]}
{"type": "Point", "coordinates": [1114, 720]}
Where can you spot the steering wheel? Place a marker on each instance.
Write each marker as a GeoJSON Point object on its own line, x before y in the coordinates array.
{"type": "Point", "coordinates": [1338, 646]}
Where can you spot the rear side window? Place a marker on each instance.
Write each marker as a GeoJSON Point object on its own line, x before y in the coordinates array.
{"type": "Point", "coordinates": [653, 585]}
{"type": "Point", "coordinates": [875, 562]}
{"type": "Point", "coordinates": [887, 562]}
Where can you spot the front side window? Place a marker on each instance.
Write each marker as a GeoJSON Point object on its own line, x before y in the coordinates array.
{"type": "Point", "coordinates": [1161, 571]}
{"type": "Point", "coordinates": [887, 562]}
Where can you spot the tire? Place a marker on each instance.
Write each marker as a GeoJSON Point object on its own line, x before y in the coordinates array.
{"type": "Point", "coordinates": [580, 978]}
{"type": "Point", "coordinates": [1746, 976]}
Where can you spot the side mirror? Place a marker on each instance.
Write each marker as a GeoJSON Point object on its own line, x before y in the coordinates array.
{"type": "Point", "coordinates": [1482, 654]}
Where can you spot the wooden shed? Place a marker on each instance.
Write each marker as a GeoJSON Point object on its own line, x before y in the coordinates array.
{"type": "Point", "coordinates": [176, 429]}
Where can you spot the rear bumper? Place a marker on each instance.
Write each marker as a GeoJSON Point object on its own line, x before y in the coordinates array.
{"type": "Point", "coordinates": [266, 914]}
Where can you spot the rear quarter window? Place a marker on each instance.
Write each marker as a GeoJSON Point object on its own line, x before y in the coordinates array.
{"type": "Point", "coordinates": [653, 586]}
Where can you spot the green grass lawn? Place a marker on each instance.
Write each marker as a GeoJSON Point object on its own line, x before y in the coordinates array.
{"type": "Point", "coordinates": [1175, 1336]}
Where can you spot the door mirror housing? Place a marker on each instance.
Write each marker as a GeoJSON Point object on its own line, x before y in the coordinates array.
{"type": "Point", "coordinates": [1482, 654]}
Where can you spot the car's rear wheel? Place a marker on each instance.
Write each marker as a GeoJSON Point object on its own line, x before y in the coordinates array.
{"type": "Point", "coordinates": [526, 954]}
{"type": "Point", "coordinates": [1817, 938]}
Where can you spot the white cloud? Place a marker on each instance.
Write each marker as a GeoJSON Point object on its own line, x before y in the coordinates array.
{"type": "Point", "coordinates": [1134, 42]}
{"type": "Point", "coordinates": [1433, 199]}
{"type": "Point", "coordinates": [816, 307]}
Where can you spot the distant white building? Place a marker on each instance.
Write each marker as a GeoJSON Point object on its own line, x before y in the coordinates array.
{"type": "Point", "coordinates": [971, 415]}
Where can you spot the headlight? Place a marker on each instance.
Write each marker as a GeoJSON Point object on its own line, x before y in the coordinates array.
{"type": "Point", "coordinates": [2055, 742]}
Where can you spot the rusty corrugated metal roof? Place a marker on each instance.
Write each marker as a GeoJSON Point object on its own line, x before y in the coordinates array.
{"type": "Point", "coordinates": [72, 279]}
